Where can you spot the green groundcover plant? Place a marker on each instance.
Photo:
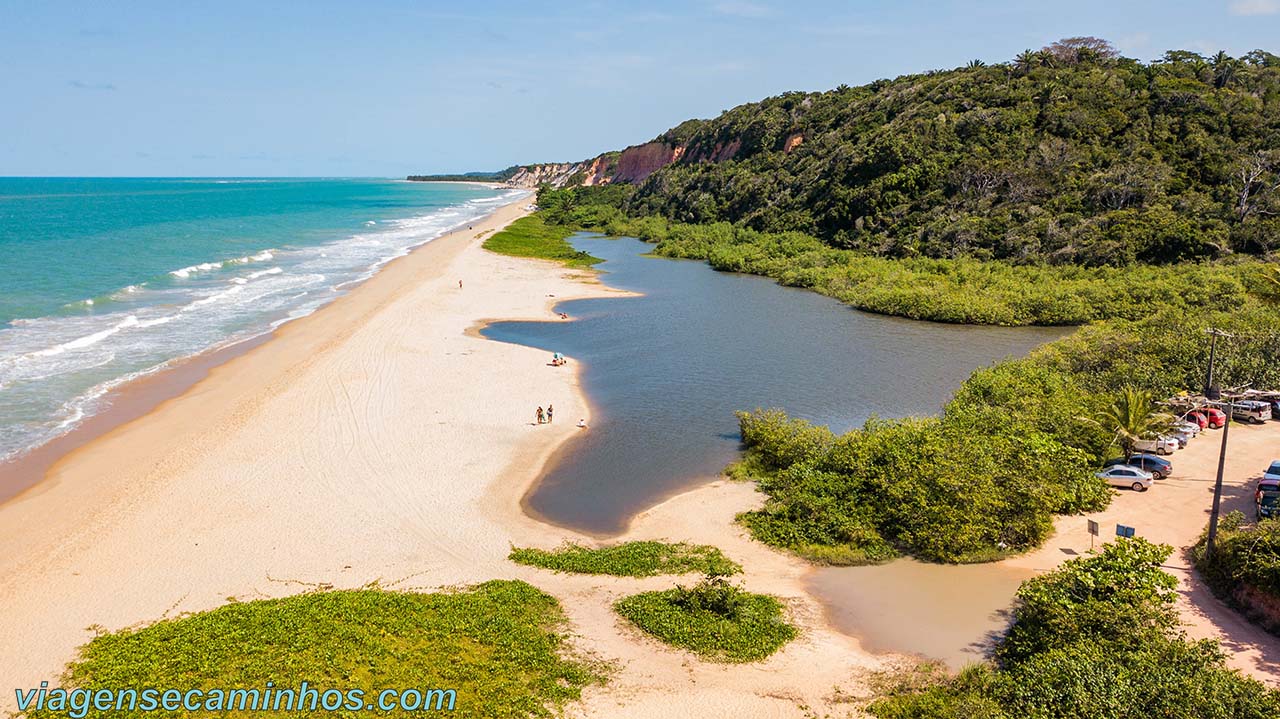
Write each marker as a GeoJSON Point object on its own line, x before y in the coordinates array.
{"type": "Point", "coordinates": [714, 619]}
{"type": "Point", "coordinates": [629, 559]}
{"type": "Point", "coordinates": [498, 645]}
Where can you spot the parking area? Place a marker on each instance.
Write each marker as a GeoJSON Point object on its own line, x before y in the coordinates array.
{"type": "Point", "coordinates": [1175, 511]}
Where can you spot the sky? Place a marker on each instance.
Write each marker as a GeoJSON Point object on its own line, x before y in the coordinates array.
{"type": "Point", "coordinates": [384, 89]}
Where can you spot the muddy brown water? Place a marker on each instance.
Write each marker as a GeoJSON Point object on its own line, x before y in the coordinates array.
{"type": "Point", "coordinates": [951, 613]}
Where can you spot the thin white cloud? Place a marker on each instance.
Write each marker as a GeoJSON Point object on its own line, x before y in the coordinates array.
{"type": "Point", "coordinates": [742, 8]}
{"type": "Point", "coordinates": [79, 85]}
{"type": "Point", "coordinates": [1255, 7]}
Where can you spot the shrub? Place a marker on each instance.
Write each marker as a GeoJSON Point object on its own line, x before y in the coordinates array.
{"type": "Point", "coordinates": [1097, 637]}
{"type": "Point", "coordinates": [630, 559]}
{"type": "Point", "coordinates": [714, 619]}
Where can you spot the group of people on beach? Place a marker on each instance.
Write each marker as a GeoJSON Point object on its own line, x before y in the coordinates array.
{"type": "Point", "coordinates": [545, 416]}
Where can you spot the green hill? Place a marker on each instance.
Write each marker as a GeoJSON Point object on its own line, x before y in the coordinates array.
{"type": "Point", "coordinates": [1071, 154]}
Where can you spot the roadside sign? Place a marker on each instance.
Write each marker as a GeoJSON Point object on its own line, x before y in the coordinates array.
{"type": "Point", "coordinates": [1093, 528]}
{"type": "Point", "coordinates": [1123, 531]}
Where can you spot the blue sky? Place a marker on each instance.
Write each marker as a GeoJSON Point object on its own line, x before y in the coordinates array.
{"type": "Point", "coordinates": [388, 88]}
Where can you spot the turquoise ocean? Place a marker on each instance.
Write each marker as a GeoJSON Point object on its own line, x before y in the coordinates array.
{"type": "Point", "coordinates": [106, 280]}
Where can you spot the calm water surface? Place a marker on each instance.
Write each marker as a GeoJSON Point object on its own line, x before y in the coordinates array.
{"type": "Point", "coordinates": [665, 373]}
{"type": "Point", "coordinates": [945, 612]}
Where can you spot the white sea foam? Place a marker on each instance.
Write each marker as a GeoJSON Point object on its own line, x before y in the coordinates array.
{"type": "Point", "coordinates": [186, 272]}
{"type": "Point", "coordinates": [145, 326]}
{"type": "Point", "coordinates": [88, 340]}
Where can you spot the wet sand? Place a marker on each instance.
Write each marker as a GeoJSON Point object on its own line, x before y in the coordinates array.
{"type": "Point", "coordinates": [124, 404]}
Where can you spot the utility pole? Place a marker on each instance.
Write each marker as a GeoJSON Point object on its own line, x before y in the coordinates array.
{"type": "Point", "coordinates": [1213, 354]}
{"type": "Point", "coordinates": [1217, 484]}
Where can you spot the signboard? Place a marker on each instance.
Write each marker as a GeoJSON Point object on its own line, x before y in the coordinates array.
{"type": "Point", "coordinates": [1123, 531]}
{"type": "Point", "coordinates": [1093, 528]}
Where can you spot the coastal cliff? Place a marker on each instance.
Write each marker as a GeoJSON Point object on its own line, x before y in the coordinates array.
{"type": "Point", "coordinates": [632, 165]}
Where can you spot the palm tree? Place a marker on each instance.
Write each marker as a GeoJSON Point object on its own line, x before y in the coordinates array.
{"type": "Point", "coordinates": [1025, 61]}
{"type": "Point", "coordinates": [1131, 417]}
{"type": "Point", "coordinates": [1224, 69]}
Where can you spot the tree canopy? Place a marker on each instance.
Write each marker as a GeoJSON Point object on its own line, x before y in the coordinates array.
{"type": "Point", "coordinates": [1069, 154]}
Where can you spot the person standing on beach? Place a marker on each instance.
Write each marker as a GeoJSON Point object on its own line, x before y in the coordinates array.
{"type": "Point", "coordinates": [459, 284]}
{"type": "Point", "coordinates": [539, 415]}
{"type": "Point", "coordinates": [550, 409]}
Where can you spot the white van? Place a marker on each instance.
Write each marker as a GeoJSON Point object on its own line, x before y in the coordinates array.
{"type": "Point", "coordinates": [1252, 411]}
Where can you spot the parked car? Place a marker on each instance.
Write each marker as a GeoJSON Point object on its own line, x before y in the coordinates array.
{"type": "Point", "coordinates": [1267, 504]}
{"type": "Point", "coordinates": [1191, 427]}
{"type": "Point", "coordinates": [1123, 475]}
{"type": "Point", "coordinates": [1159, 467]}
{"type": "Point", "coordinates": [1158, 445]}
{"type": "Point", "coordinates": [1267, 497]}
{"type": "Point", "coordinates": [1209, 417]}
{"type": "Point", "coordinates": [1273, 472]}
{"type": "Point", "coordinates": [1183, 436]}
{"type": "Point", "coordinates": [1252, 411]}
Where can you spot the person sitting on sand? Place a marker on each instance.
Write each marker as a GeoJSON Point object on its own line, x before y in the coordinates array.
{"type": "Point", "coordinates": [550, 410]}
{"type": "Point", "coordinates": [582, 424]}
{"type": "Point", "coordinates": [539, 415]}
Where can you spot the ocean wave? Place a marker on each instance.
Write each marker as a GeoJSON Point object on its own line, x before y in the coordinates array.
{"type": "Point", "coordinates": [264, 273]}
{"type": "Point", "coordinates": [87, 340]}
{"type": "Point", "coordinates": [144, 327]}
{"type": "Point", "coordinates": [186, 272]}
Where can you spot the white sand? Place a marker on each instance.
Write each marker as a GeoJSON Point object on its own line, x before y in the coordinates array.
{"type": "Point", "coordinates": [382, 439]}
{"type": "Point", "coordinates": [379, 439]}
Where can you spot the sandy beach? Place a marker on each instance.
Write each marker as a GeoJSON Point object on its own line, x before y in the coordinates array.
{"type": "Point", "coordinates": [380, 439]}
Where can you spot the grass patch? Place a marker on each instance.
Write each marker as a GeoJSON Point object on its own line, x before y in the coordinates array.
{"type": "Point", "coordinates": [716, 620]}
{"type": "Point", "coordinates": [532, 237]}
{"type": "Point", "coordinates": [497, 645]}
{"type": "Point", "coordinates": [630, 559]}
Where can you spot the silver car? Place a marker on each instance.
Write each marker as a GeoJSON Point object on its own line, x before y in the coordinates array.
{"type": "Point", "coordinates": [1124, 475]}
{"type": "Point", "coordinates": [1190, 427]}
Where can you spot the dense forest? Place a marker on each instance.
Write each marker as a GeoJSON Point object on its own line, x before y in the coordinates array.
{"type": "Point", "coordinates": [1070, 154]}
{"type": "Point", "coordinates": [499, 176]}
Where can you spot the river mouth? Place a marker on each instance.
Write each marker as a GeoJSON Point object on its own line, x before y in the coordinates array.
{"type": "Point", "coordinates": [666, 370]}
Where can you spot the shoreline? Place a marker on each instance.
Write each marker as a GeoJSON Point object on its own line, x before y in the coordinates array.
{"type": "Point", "coordinates": [383, 439]}
{"type": "Point", "coordinates": [134, 399]}
{"type": "Point", "coordinates": [375, 440]}
{"type": "Point", "coordinates": [101, 488]}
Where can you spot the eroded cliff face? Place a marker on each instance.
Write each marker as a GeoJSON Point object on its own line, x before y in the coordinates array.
{"type": "Point", "coordinates": [556, 174]}
{"type": "Point", "coordinates": [638, 162]}
{"type": "Point", "coordinates": [632, 165]}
